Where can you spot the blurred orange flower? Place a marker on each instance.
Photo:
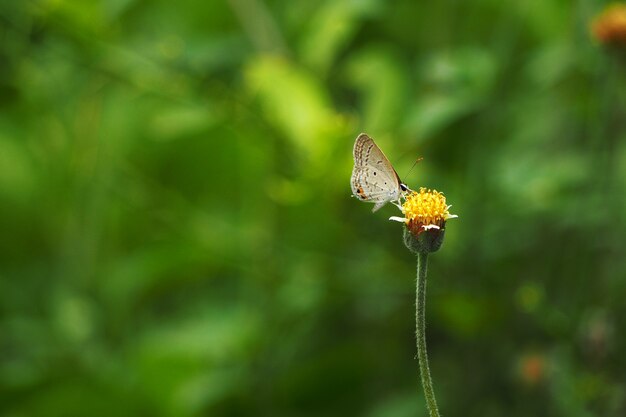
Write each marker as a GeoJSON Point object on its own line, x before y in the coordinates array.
{"type": "Point", "coordinates": [609, 27]}
{"type": "Point", "coordinates": [533, 368]}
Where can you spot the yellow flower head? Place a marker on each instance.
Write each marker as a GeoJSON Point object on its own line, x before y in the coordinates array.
{"type": "Point", "coordinates": [609, 27]}
{"type": "Point", "coordinates": [423, 210]}
{"type": "Point", "coordinates": [426, 208]}
{"type": "Point", "coordinates": [425, 215]}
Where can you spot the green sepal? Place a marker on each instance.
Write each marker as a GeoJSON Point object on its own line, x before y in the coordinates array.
{"type": "Point", "coordinates": [427, 241]}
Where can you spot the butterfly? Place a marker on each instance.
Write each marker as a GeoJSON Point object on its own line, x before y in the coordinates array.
{"type": "Point", "coordinates": [373, 178]}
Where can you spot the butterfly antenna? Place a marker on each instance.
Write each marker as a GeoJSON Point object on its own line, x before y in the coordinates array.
{"type": "Point", "coordinates": [418, 160]}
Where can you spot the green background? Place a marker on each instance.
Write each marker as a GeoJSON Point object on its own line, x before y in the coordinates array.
{"type": "Point", "coordinates": [178, 236]}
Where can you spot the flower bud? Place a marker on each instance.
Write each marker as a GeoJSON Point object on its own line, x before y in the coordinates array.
{"type": "Point", "coordinates": [425, 215]}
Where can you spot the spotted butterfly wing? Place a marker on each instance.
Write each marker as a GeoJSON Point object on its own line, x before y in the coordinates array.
{"type": "Point", "coordinates": [373, 177]}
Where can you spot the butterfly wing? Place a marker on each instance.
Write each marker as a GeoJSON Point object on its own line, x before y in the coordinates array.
{"type": "Point", "coordinates": [373, 178]}
{"type": "Point", "coordinates": [367, 187]}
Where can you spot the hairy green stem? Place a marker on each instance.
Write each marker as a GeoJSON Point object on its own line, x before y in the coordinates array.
{"type": "Point", "coordinates": [420, 333]}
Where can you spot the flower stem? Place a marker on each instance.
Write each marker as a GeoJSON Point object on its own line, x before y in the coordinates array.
{"type": "Point", "coordinates": [420, 333]}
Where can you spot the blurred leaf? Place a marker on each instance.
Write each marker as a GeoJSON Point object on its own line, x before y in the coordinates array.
{"type": "Point", "coordinates": [295, 102]}
{"type": "Point", "coordinates": [453, 84]}
{"type": "Point", "coordinates": [381, 78]}
{"type": "Point", "coordinates": [331, 28]}
{"type": "Point", "coordinates": [183, 120]}
{"type": "Point", "coordinates": [17, 174]}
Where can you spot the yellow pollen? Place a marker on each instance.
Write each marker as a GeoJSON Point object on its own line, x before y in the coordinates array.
{"type": "Point", "coordinates": [426, 207]}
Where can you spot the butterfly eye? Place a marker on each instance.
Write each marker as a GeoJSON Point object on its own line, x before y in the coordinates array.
{"type": "Point", "coordinates": [403, 187]}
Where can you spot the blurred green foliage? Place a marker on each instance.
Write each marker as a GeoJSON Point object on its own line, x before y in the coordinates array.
{"type": "Point", "coordinates": [178, 237]}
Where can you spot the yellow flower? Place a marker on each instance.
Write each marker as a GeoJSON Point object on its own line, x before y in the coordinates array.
{"type": "Point", "coordinates": [423, 210]}
{"type": "Point", "coordinates": [425, 215]}
{"type": "Point", "coordinates": [609, 27]}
